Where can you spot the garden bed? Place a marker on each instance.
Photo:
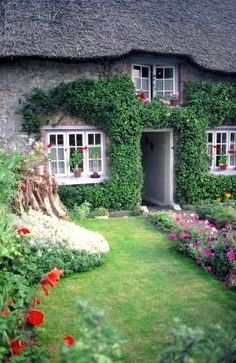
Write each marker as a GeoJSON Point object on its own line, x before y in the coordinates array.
{"type": "Point", "coordinates": [213, 249]}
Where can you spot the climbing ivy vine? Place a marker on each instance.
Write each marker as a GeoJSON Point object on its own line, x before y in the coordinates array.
{"type": "Point", "coordinates": [111, 104]}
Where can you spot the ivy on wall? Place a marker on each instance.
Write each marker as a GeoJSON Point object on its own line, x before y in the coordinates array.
{"type": "Point", "coordinates": [111, 105]}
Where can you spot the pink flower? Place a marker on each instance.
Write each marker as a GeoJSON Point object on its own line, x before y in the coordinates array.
{"type": "Point", "coordinates": [172, 236]}
{"type": "Point", "coordinates": [231, 255]}
{"type": "Point", "coordinates": [207, 252]}
{"type": "Point", "coordinates": [208, 268]}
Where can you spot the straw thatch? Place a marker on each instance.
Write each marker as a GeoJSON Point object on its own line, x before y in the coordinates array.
{"type": "Point", "coordinates": [203, 30]}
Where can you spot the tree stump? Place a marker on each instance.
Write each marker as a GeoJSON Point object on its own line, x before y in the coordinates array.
{"type": "Point", "coordinates": [40, 194]}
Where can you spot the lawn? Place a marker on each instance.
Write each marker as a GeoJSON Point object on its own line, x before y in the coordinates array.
{"type": "Point", "coordinates": [142, 287]}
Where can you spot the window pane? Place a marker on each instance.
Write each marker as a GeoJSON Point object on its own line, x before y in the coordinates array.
{"type": "Point", "coordinates": [54, 167]}
{"type": "Point", "coordinates": [159, 85]}
{"type": "Point", "coordinates": [224, 137]}
{"type": "Point", "coordinates": [233, 136]}
{"type": "Point", "coordinates": [218, 138]}
{"type": "Point", "coordinates": [72, 140]}
{"type": "Point", "coordinates": [97, 139]}
{"type": "Point", "coordinates": [60, 153]}
{"type": "Point", "coordinates": [60, 140]}
{"type": "Point", "coordinates": [52, 139]}
{"type": "Point", "coordinates": [91, 139]}
{"type": "Point", "coordinates": [210, 137]}
{"type": "Point", "coordinates": [145, 84]}
{"type": "Point", "coordinates": [168, 85]}
{"type": "Point", "coordinates": [61, 167]}
{"type": "Point", "coordinates": [146, 94]}
{"type": "Point", "coordinates": [137, 83]}
{"type": "Point", "coordinates": [159, 73]}
{"type": "Point", "coordinates": [145, 72]}
{"type": "Point", "coordinates": [136, 72]}
{"type": "Point", "coordinates": [168, 72]}
{"type": "Point", "coordinates": [53, 153]}
{"type": "Point", "coordinates": [79, 140]}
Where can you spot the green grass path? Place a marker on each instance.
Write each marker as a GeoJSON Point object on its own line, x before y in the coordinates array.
{"type": "Point", "coordinates": [142, 287]}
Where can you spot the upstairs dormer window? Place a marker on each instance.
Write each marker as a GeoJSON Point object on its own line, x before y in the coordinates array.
{"type": "Point", "coordinates": [142, 79]}
{"type": "Point", "coordinates": [164, 81]}
{"type": "Point", "coordinates": [155, 81]}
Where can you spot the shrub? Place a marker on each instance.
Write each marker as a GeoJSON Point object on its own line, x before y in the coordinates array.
{"type": "Point", "coordinates": [220, 214]}
{"type": "Point", "coordinates": [189, 345]}
{"type": "Point", "coordinates": [82, 211]}
{"type": "Point", "coordinates": [36, 260]}
{"type": "Point", "coordinates": [8, 177]}
{"type": "Point", "coordinates": [96, 342]}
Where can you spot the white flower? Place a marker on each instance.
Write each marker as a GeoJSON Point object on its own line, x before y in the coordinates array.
{"type": "Point", "coordinates": [51, 230]}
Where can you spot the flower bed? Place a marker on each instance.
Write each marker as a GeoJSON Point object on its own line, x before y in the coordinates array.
{"type": "Point", "coordinates": [212, 249]}
{"type": "Point", "coordinates": [23, 264]}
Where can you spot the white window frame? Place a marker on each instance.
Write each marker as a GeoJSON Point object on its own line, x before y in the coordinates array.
{"type": "Point", "coordinates": [174, 91]}
{"type": "Point", "coordinates": [85, 133]}
{"type": "Point", "coordinates": [141, 78]}
{"type": "Point", "coordinates": [214, 133]}
{"type": "Point", "coordinates": [102, 151]}
{"type": "Point", "coordinates": [57, 161]}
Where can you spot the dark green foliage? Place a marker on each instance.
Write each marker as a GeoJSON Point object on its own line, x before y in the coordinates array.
{"type": "Point", "coordinates": [36, 261]}
{"type": "Point", "coordinates": [219, 214]}
{"type": "Point", "coordinates": [217, 101]}
{"type": "Point", "coordinates": [112, 106]}
{"type": "Point", "coordinates": [8, 176]}
{"type": "Point", "coordinates": [95, 341]}
{"type": "Point", "coordinates": [214, 345]}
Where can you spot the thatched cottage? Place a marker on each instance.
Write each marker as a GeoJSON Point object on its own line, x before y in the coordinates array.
{"type": "Point", "coordinates": [161, 44]}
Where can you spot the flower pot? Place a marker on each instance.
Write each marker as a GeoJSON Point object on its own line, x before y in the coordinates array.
{"type": "Point", "coordinates": [95, 175]}
{"type": "Point", "coordinates": [39, 170]}
{"type": "Point", "coordinates": [173, 102]}
{"type": "Point", "coordinates": [77, 172]}
{"type": "Point", "coordinates": [223, 166]}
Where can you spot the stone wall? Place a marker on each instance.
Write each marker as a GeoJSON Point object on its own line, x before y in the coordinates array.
{"type": "Point", "coordinates": [18, 78]}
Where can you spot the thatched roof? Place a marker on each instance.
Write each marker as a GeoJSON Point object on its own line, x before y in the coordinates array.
{"type": "Point", "coordinates": [204, 30]}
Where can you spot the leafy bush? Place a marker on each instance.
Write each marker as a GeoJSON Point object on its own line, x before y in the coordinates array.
{"type": "Point", "coordinates": [8, 177]}
{"type": "Point", "coordinates": [36, 260]}
{"type": "Point", "coordinates": [163, 221]}
{"type": "Point", "coordinates": [9, 239]}
{"type": "Point", "coordinates": [219, 214]}
{"type": "Point", "coordinates": [195, 345]}
{"type": "Point", "coordinates": [96, 342]}
{"type": "Point", "coordinates": [82, 211]}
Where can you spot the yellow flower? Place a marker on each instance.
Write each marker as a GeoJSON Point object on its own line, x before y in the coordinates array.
{"type": "Point", "coordinates": [228, 195]}
{"type": "Point", "coordinates": [218, 200]}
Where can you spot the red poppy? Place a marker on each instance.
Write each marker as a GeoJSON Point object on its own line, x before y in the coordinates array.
{"type": "Point", "coordinates": [69, 340]}
{"type": "Point", "coordinates": [36, 300]}
{"type": "Point", "coordinates": [51, 279]}
{"type": "Point", "coordinates": [142, 98]}
{"type": "Point", "coordinates": [22, 231]}
{"type": "Point", "coordinates": [35, 317]}
{"type": "Point", "coordinates": [49, 145]}
{"type": "Point", "coordinates": [17, 346]}
{"type": "Point", "coordinates": [5, 312]}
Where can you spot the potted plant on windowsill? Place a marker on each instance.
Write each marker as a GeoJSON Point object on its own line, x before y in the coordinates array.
{"type": "Point", "coordinates": [75, 162]}
{"type": "Point", "coordinates": [223, 162]}
{"type": "Point", "coordinates": [95, 153]}
{"type": "Point", "coordinates": [39, 158]}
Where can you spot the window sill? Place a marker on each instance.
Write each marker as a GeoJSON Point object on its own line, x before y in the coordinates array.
{"type": "Point", "coordinates": [223, 172]}
{"type": "Point", "coordinates": [71, 180]}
